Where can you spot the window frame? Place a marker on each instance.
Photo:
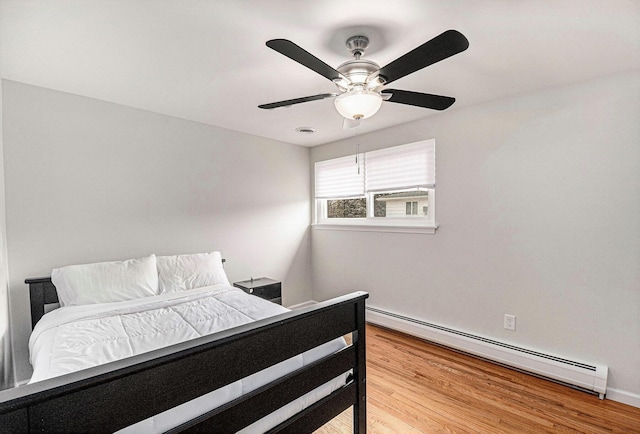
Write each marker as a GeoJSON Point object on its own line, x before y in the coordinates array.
{"type": "Point", "coordinates": [409, 223]}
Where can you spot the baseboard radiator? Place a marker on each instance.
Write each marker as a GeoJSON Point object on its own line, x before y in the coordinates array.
{"type": "Point", "coordinates": [590, 377]}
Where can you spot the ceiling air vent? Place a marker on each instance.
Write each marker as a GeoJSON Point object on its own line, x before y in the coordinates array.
{"type": "Point", "coordinates": [305, 130]}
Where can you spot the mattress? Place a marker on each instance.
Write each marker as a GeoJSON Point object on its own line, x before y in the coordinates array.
{"type": "Point", "coordinates": [73, 338]}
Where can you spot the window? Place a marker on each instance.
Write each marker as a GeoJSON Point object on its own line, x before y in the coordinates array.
{"type": "Point", "coordinates": [391, 187]}
{"type": "Point", "coordinates": [411, 208]}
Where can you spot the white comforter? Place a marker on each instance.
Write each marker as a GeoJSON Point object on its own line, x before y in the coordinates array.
{"type": "Point", "coordinates": [79, 337]}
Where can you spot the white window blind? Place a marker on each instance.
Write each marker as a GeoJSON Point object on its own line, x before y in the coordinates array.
{"type": "Point", "coordinates": [339, 178]}
{"type": "Point", "coordinates": [401, 167]}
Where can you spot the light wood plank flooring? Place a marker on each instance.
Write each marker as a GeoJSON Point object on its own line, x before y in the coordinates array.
{"type": "Point", "coordinates": [417, 387]}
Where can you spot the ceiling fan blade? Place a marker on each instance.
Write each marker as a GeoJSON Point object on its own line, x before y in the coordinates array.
{"type": "Point", "coordinates": [296, 101]}
{"type": "Point", "coordinates": [303, 57]}
{"type": "Point", "coordinates": [439, 48]}
{"type": "Point", "coordinates": [426, 100]}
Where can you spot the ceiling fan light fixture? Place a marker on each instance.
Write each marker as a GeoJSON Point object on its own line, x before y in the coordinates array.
{"type": "Point", "coordinates": [358, 103]}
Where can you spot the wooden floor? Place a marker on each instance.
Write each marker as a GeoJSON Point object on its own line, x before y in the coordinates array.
{"type": "Point", "coordinates": [417, 387]}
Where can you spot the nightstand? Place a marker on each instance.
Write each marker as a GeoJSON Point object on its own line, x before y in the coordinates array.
{"type": "Point", "coordinates": [262, 287]}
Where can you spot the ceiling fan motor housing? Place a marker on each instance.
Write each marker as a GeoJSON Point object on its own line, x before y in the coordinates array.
{"type": "Point", "coordinates": [358, 70]}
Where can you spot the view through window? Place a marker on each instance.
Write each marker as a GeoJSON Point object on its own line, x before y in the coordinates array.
{"type": "Point", "coordinates": [395, 204]}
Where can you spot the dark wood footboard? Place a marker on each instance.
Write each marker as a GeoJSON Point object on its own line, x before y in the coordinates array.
{"type": "Point", "coordinates": [118, 394]}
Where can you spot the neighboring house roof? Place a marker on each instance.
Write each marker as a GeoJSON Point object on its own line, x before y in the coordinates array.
{"type": "Point", "coordinates": [404, 195]}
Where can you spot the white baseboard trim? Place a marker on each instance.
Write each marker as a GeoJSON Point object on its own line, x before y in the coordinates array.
{"type": "Point", "coordinates": [22, 382]}
{"type": "Point", "coordinates": [624, 397]}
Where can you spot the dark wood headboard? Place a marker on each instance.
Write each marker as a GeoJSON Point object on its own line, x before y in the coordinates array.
{"type": "Point", "coordinates": [41, 292]}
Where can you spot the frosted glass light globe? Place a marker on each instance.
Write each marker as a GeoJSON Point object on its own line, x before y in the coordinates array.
{"type": "Point", "coordinates": [358, 104]}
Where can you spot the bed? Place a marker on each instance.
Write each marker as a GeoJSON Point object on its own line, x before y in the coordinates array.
{"type": "Point", "coordinates": [275, 370]}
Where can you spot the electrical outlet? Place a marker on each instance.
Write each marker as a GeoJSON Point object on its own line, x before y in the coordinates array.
{"type": "Point", "coordinates": [510, 322]}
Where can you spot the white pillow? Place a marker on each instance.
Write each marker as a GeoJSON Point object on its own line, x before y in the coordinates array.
{"type": "Point", "coordinates": [181, 272]}
{"type": "Point", "coordinates": [106, 282]}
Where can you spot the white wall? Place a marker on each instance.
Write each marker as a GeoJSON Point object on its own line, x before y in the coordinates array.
{"type": "Point", "coordinates": [538, 202]}
{"type": "Point", "coordinates": [6, 371]}
{"type": "Point", "coordinates": [92, 181]}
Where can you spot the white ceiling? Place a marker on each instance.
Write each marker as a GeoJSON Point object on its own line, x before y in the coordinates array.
{"type": "Point", "coordinates": [207, 60]}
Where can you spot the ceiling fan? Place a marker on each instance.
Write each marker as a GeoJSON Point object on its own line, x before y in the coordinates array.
{"type": "Point", "coordinates": [361, 82]}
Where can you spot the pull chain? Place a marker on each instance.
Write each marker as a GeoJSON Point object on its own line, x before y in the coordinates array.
{"type": "Point", "coordinates": [357, 149]}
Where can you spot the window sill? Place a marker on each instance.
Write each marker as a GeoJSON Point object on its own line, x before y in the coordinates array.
{"type": "Point", "coordinates": [405, 229]}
